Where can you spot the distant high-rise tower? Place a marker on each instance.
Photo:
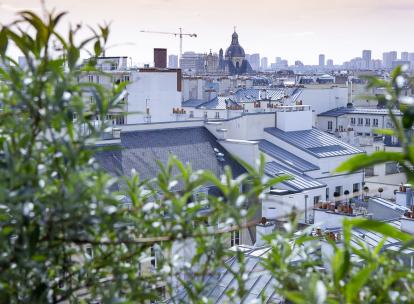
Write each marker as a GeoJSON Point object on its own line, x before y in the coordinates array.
{"type": "Point", "coordinates": [329, 63]}
{"type": "Point", "coordinates": [247, 57]}
{"type": "Point", "coordinates": [388, 58]}
{"type": "Point", "coordinates": [173, 61]}
{"type": "Point", "coordinates": [264, 63]}
{"type": "Point", "coordinates": [321, 60]}
{"type": "Point", "coordinates": [404, 56]}
{"type": "Point", "coordinates": [366, 57]}
{"type": "Point", "coordinates": [255, 61]}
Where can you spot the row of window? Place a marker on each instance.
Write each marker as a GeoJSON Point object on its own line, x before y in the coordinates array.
{"type": "Point", "coordinates": [361, 122]}
{"type": "Point", "coordinates": [114, 79]}
{"type": "Point", "coordinates": [339, 191]}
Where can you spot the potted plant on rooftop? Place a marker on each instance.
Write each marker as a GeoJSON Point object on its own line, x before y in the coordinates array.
{"type": "Point", "coordinates": [366, 190]}
{"type": "Point", "coordinates": [346, 193]}
{"type": "Point", "coordinates": [380, 190]}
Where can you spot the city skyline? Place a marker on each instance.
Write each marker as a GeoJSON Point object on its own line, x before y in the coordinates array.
{"type": "Point", "coordinates": [305, 30]}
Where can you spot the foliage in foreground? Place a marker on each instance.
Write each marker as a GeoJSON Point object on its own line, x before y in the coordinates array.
{"type": "Point", "coordinates": [56, 203]}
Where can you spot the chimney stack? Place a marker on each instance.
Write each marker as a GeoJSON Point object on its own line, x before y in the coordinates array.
{"type": "Point", "coordinates": [160, 58]}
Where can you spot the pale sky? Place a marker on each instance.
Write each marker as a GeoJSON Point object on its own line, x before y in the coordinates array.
{"type": "Point", "coordinates": [293, 29]}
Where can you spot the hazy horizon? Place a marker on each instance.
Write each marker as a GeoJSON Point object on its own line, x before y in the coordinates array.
{"type": "Point", "coordinates": [293, 30]}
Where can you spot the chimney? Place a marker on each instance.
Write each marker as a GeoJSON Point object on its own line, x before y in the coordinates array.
{"type": "Point", "coordinates": [263, 229]}
{"type": "Point", "coordinates": [160, 58]}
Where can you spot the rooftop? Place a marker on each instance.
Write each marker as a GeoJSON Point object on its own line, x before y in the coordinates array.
{"type": "Point", "coordinates": [286, 157]}
{"type": "Point", "coordinates": [315, 142]}
{"type": "Point", "coordinates": [357, 110]}
{"type": "Point", "coordinates": [259, 280]}
{"type": "Point", "coordinates": [277, 94]}
{"type": "Point", "coordinates": [298, 181]}
{"type": "Point", "coordinates": [142, 150]}
{"type": "Point", "coordinates": [218, 103]}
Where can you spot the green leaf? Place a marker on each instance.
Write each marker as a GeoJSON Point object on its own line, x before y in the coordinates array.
{"type": "Point", "coordinates": [357, 281]}
{"type": "Point", "coordinates": [381, 227]}
{"type": "Point", "coordinates": [362, 160]}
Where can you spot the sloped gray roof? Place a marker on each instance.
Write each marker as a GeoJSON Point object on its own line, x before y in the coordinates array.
{"type": "Point", "coordinates": [217, 103]}
{"type": "Point", "coordinates": [286, 157]}
{"type": "Point", "coordinates": [357, 110]}
{"type": "Point", "coordinates": [298, 181]}
{"type": "Point", "coordinates": [141, 150]}
{"type": "Point", "coordinates": [259, 280]}
{"type": "Point", "coordinates": [315, 142]}
{"type": "Point", "coordinates": [274, 94]}
{"type": "Point", "coordinates": [192, 103]}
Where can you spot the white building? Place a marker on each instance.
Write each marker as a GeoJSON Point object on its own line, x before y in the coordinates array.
{"type": "Point", "coordinates": [153, 94]}
{"type": "Point", "coordinates": [291, 147]}
{"type": "Point", "coordinates": [150, 95]}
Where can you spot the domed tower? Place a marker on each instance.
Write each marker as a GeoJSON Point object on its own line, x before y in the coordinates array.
{"type": "Point", "coordinates": [235, 53]}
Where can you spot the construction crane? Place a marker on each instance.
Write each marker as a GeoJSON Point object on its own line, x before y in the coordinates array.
{"type": "Point", "coordinates": [180, 34]}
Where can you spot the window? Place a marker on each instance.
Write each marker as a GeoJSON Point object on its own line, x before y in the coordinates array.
{"type": "Point", "coordinates": [355, 187]}
{"type": "Point", "coordinates": [330, 125]}
{"type": "Point", "coordinates": [353, 121]}
{"type": "Point", "coordinates": [367, 121]}
{"type": "Point", "coordinates": [369, 171]}
{"type": "Point", "coordinates": [367, 134]}
{"type": "Point", "coordinates": [205, 115]}
{"type": "Point", "coordinates": [153, 257]}
{"type": "Point", "coordinates": [235, 238]}
{"type": "Point", "coordinates": [90, 78]}
{"type": "Point", "coordinates": [338, 190]}
{"type": "Point", "coordinates": [217, 115]}
{"type": "Point", "coordinates": [375, 122]}
{"type": "Point", "coordinates": [316, 199]}
{"type": "Point", "coordinates": [116, 119]}
{"type": "Point", "coordinates": [391, 168]}
{"type": "Point", "coordinates": [89, 253]}
{"type": "Point", "coordinates": [327, 193]}
{"type": "Point", "coordinates": [377, 148]}
{"type": "Point", "coordinates": [97, 79]}
{"type": "Point", "coordinates": [360, 121]}
{"type": "Point", "coordinates": [359, 133]}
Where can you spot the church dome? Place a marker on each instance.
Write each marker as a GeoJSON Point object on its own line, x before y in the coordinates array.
{"type": "Point", "coordinates": [235, 50]}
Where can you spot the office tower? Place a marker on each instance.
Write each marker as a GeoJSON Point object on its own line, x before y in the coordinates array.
{"type": "Point", "coordinates": [263, 63]}
{"type": "Point", "coordinates": [366, 56]}
{"type": "Point", "coordinates": [321, 60]}
{"type": "Point", "coordinates": [192, 62]}
{"type": "Point", "coordinates": [404, 56]}
{"type": "Point", "coordinates": [411, 60]}
{"type": "Point", "coordinates": [173, 61]}
{"type": "Point", "coordinates": [329, 63]}
{"type": "Point", "coordinates": [247, 57]}
{"type": "Point", "coordinates": [278, 60]}
{"type": "Point", "coordinates": [255, 61]}
{"type": "Point", "coordinates": [388, 58]}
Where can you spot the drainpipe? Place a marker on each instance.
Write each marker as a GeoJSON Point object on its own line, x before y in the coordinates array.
{"type": "Point", "coordinates": [306, 208]}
